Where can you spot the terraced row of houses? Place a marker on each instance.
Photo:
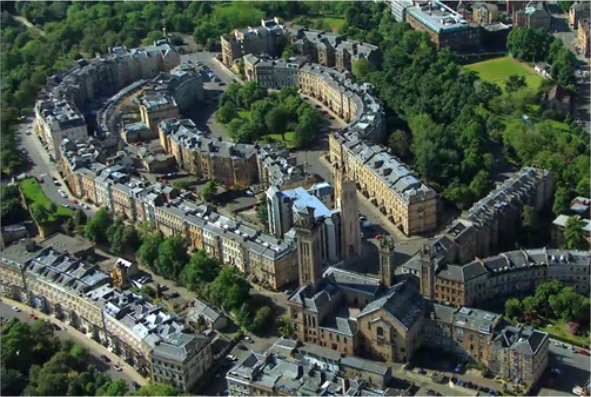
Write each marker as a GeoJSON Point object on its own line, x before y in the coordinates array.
{"type": "Point", "coordinates": [61, 105]}
{"type": "Point", "coordinates": [155, 342]}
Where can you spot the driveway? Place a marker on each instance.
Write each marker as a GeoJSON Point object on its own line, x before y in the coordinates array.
{"type": "Point", "coordinates": [127, 373]}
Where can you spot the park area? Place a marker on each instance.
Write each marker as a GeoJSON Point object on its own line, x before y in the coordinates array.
{"type": "Point", "coordinates": [36, 198]}
{"type": "Point", "coordinates": [497, 71]}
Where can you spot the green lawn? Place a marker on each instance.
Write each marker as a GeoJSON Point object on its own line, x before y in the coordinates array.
{"type": "Point", "coordinates": [335, 23]}
{"type": "Point", "coordinates": [289, 141]}
{"type": "Point", "coordinates": [498, 69]}
{"type": "Point", "coordinates": [559, 330]}
{"type": "Point", "coordinates": [34, 195]}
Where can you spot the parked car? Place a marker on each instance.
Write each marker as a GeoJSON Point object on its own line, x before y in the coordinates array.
{"type": "Point", "coordinates": [135, 385]}
{"type": "Point", "coordinates": [231, 357]}
{"type": "Point", "coordinates": [458, 368]}
{"type": "Point", "coordinates": [556, 371]}
{"type": "Point", "coordinates": [242, 347]}
{"type": "Point", "coordinates": [105, 359]}
{"type": "Point", "coordinates": [117, 368]}
{"type": "Point", "coordinates": [15, 309]}
{"type": "Point", "coordinates": [288, 291]}
{"type": "Point", "coordinates": [34, 316]}
{"type": "Point", "coordinates": [560, 344]}
{"type": "Point", "coordinates": [583, 351]}
{"type": "Point", "coordinates": [421, 371]}
{"type": "Point", "coordinates": [174, 295]}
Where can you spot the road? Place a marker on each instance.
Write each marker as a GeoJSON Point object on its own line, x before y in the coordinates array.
{"type": "Point", "coordinates": [96, 350]}
{"type": "Point", "coordinates": [574, 371]}
{"type": "Point", "coordinates": [42, 165]}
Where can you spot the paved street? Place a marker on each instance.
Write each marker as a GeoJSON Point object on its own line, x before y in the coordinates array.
{"type": "Point", "coordinates": [574, 371]}
{"type": "Point", "coordinates": [96, 350]}
{"type": "Point", "coordinates": [43, 166]}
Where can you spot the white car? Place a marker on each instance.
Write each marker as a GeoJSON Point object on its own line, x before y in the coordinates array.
{"type": "Point", "coordinates": [578, 391]}
{"type": "Point", "coordinates": [15, 309]}
{"type": "Point", "coordinates": [231, 357]}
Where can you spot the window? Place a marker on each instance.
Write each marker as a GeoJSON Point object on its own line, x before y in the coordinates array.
{"type": "Point", "coordinates": [380, 332]}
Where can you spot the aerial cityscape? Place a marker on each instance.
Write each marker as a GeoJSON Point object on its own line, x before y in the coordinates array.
{"type": "Point", "coordinates": [285, 198]}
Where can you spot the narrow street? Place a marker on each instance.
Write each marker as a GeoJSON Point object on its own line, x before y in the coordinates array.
{"type": "Point", "coordinates": [67, 332]}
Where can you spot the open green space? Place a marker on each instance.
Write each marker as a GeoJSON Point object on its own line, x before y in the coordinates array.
{"type": "Point", "coordinates": [288, 142]}
{"type": "Point", "coordinates": [34, 196]}
{"type": "Point", "coordinates": [335, 23]}
{"type": "Point", "coordinates": [559, 330]}
{"type": "Point", "coordinates": [497, 70]}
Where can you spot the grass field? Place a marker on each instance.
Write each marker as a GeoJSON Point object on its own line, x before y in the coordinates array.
{"type": "Point", "coordinates": [559, 330]}
{"type": "Point", "coordinates": [497, 70]}
{"type": "Point", "coordinates": [34, 195]}
{"type": "Point", "coordinates": [288, 142]}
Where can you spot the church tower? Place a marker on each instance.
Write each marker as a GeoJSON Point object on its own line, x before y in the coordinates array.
{"type": "Point", "coordinates": [309, 246]}
{"type": "Point", "coordinates": [387, 265]}
{"type": "Point", "coordinates": [346, 202]}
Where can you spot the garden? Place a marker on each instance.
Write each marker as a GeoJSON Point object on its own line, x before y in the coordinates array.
{"type": "Point", "coordinates": [498, 70]}
{"type": "Point", "coordinates": [43, 209]}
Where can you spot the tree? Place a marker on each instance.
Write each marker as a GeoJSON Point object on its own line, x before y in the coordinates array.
{"type": "Point", "coordinates": [115, 235]}
{"type": "Point", "coordinates": [40, 213]}
{"type": "Point", "coordinates": [459, 194]}
{"type": "Point", "coordinates": [529, 305]}
{"type": "Point", "coordinates": [226, 113]}
{"type": "Point", "coordinates": [481, 184]}
{"type": "Point", "coordinates": [230, 288]}
{"type": "Point", "coordinates": [565, 5]}
{"type": "Point", "coordinates": [515, 83]}
{"type": "Point", "coordinates": [211, 189]}
{"type": "Point", "coordinates": [12, 210]}
{"type": "Point", "coordinates": [173, 256]}
{"type": "Point", "coordinates": [263, 215]}
{"type": "Point", "coordinates": [79, 217]}
{"type": "Point", "coordinates": [148, 251]}
{"type": "Point", "coordinates": [561, 200]}
{"type": "Point", "coordinates": [568, 305]}
{"type": "Point", "coordinates": [542, 296]}
{"type": "Point", "coordinates": [286, 327]}
{"type": "Point", "coordinates": [584, 185]}
{"type": "Point", "coordinates": [130, 238]}
{"type": "Point", "coordinates": [262, 318]}
{"type": "Point", "coordinates": [156, 389]}
{"type": "Point", "coordinates": [574, 236]}
{"type": "Point", "coordinates": [201, 269]}
{"type": "Point", "coordinates": [361, 68]}
{"type": "Point", "coordinates": [399, 142]}
{"type": "Point", "coordinates": [276, 120]}
{"type": "Point", "coordinates": [251, 92]}
{"type": "Point", "coordinates": [97, 226]}
{"type": "Point", "coordinates": [113, 388]}
{"type": "Point", "coordinates": [513, 308]}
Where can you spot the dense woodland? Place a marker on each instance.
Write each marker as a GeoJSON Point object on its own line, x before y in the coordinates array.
{"type": "Point", "coordinates": [457, 131]}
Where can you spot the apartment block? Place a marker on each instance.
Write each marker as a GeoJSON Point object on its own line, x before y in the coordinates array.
{"type": "Point", "coordinates": [268, 38]}
{"type": "Point", "coordinates": [534, 16]}
{"type": "Point", "coordinates": [511, 352]}
{"type": "Point", "coordinates": [143, 334]}
{"type": "Point", "coordinates": [290, 368]}
{"type": "Point", "coordinates": [387, 183]}
{"type": "Point", "coordinates": [578, 11]}
{"type": "Point", "coordinates": [446, 27]}
{"type": "Point", "coordinates": [276, 167]}
{"type": "Point", "coordinates": [59, 108]}
{"type": "Point", "coordinates": [513, 273]}
{"type": "Point", "coordinates": [584, 36]}
{"type": "Point", "coordinates": [227, 163]}
{"type": "Point", "coordinates": [484, 13]}
{"type": "Point", "coordinates": [155, 107]}
{"type": "Point", "coordinates": [496, 218]}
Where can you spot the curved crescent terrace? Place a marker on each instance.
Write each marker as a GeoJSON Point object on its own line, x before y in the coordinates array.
{"type": "Point", "coordinates": [388, 183]}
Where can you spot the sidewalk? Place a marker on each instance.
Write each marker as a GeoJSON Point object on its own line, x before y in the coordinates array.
{"type": "Point", "coordinates": [91, 344]}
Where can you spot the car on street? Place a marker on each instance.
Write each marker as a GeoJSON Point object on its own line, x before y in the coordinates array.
{"type": "Point", "coordinates": [34, 316]}
{"type": "Point", "coordinates": [15, 309]}
{"type": "Point", "coordinates": [65, 206]}
{"type": "Point", "coordinates": [242, 347]}
{"type": "Point", "coordinates": [174, 295]}
{"type": "Point", "coordinates": [163, 287]}
{"type": "Point", "coordinates": [56, 327]}
{"type": "Point", "coordinates": [231, 357]}
{"type": "Point", "coordinates": [421, 371]}
{"type": "Point", "coordinates": [559, 344]}
{"type": "Point", "coordinates": [117, 368]}
{"type": "Point", "coordinates": [248, 339]}
{"type": "Point", "coordinates": [62, 193]}
{"type": "Point", "coordinates": [135, 385]}
{"type": "Point", "coordinates": [458, 368]}
{"type": "Point", "coordinates": [556, 371]}
{"type": "Point", "coordinates": [105, 358]}
{"type": "Point", "coordinates": [572, 349]}
{"type": "Point", "coordinates": [583, 351]}
{"type": "Point", "coordinates": [288, 291]}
